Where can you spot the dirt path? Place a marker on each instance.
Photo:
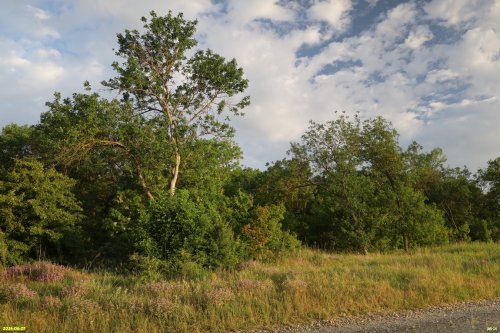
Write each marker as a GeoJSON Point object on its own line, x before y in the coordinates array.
{"type": "Point", "coordinates": [473, 317]}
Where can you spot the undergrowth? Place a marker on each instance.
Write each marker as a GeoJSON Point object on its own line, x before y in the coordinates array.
{"type": "Point", "coordinates": [307, 286]}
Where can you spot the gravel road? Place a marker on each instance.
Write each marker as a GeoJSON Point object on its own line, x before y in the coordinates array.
{"type": "Point", "coordinates": [473, 317]}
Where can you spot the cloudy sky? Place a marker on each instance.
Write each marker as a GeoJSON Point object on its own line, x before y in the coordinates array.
{"type": "Point", "coordinates": [431, 67]}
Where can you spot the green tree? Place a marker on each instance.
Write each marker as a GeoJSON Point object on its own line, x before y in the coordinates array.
{"type": "Point", "coordinates": [117, 157]}
{"type": "Point", "coordinates": [263, 236]}
{"type": "Point", "coordinates": [15, 142]}
{"type": "Point", "coordinates": [287, 181]}
{"type": "Point", "coordinates": [87, 128]}
{"type": "Point", "coordinates": [190, 97]}
{"type": "Point", "coordinates": [365, 198]}
{"type": "Point", "coordinates": [37, 208]}
{"type": "Point", "coordinates": [403, 206]}
{"type": "Point", "coordinates": [243, 179]}
{"type": "Point", "coordinates": [340, 212]}
{"type": "Point", "coordinates": [488, 179]}
{"type": "Point", "coordinates": [453, 190]}
{"type": "Point", "coordinates": [457, 196]}
{"type": "Point", "coordinates": [426, 170]}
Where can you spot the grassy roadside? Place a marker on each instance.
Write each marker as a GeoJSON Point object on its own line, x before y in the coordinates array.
{"type": "Point", "coordinates": [308, 286]}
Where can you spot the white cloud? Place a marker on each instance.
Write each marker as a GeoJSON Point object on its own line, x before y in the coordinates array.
{"type": "Point", "coordinates": [440, 75]}
{"type": "Point", "coordinates": [32, 75]}
{"type": "Point", "coordinates": [130, 11]}
{"type": "Point", "coordinates": [418, 37]}
{"type": "Point", "coordinates": [38, 13]}
{"type": "Point", "coordinates": [393, 69]}
{"type": "Point", "coordinates": [475, 56]}
{"type": "Point", "coordinates": [467, 133]}
{"type": "Point", "coordinates": [395, 24]}
{"type": "Point", "coordinates": [48, 53]}
{"type": "Point", "coordinates": [284, 99]}
{"type": "Point", "coordinates": [276, 86]}
{"type": "Point", "coordinates": [243, 12]}
{"type": "Point", "coordinates": [335, 12]}
{"type": "Point", "coordinates": [14, 61]}
{"type": "Point", "coordinates": [46, 73]}
{"type": "Point", "coordinates": [452, 12]}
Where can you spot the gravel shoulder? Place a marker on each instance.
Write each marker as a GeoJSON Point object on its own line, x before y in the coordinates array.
{"type": "Point", "coordinates": [473, 317]}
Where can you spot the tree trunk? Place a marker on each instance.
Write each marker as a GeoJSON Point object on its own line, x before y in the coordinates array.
{"type": "Point", "coordinates": [144, 186]}
{"type": "Point", "coordinates": [405, 242]}
{"type": "Point", "coordinates": [175, 172]}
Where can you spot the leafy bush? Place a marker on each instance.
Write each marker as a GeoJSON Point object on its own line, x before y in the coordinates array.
{"type": "Point", "coordinates": [263, 237]}
{"type": "Point", "coordinates": [180, 227]}
{"type": "Point", "coordinates": [148, 267]}
{"type": "Point", "coordinates": [37, 208]}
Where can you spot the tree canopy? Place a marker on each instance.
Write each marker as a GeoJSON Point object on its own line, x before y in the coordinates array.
{"type": "Point", "coordinates": [190, 95]}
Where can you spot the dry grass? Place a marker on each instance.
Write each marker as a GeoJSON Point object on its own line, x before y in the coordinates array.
{"type": "Point", "coordinates": [307, 286]}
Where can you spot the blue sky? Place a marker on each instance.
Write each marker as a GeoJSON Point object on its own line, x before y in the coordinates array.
{"type": "Point", "coordinates": [430, 67]}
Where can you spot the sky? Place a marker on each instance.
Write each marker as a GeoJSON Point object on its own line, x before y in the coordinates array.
{"type": "Point", "coordinates": [431, 67]}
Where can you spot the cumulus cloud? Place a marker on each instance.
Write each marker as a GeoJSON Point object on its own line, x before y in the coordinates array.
{"type": "Point", "coordinates": [467, 132]}
{"type": "Point", "coordinates": [440, 91]}
{"type": "Point", "coordinates": [440, 75]}
{"type": "Point", "coordinates": [452, 12]}
{"type": "Point", "coordinates": [243, 12]}
{"type": "Point", "coordinates": [418, 37]}
{"type": "Point", "coordinates": [278, 88]}
{"type": "Point", "coordinates": [335, 12]}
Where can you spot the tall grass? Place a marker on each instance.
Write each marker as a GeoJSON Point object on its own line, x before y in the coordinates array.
{"type": "Point", "coordinates": [304, 287]}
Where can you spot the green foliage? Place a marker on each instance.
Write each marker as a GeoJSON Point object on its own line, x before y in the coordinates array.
{"type": "Point", "coordinates": [37, 208]}
{"type": "Point", "coordinates": [157, 174]}
{"type": "Point", "coordinates": [180, 226]}
{"type": "Point", "coordinates": [116, 160]}
{"type": "Point", "coordinates": [187, 96]}
{"type": "Point", "coordinates": [456, 196]}
{"type": "Point", "coordinates": [15, 142]}
{"type": "Point", "coordinates": [263, 236]}
{"type": "Point", "coordinates": [426, 170]}
{"type": "Point", "coordinates": [288, 182]}
{"type": "Point", "coordinates": [91, 137]}
{"type": "Point", "coordinates": [364, 198]}
{"type": "Point", "coordinates": [340, 216]}
{"type": "Point", "coordinates": [148, 267]}
{"type": "Point", "coordinates": [423, 223]}
{"type": "Point", "coordinates": [488, 226]}
{"type": "Point", "coordinates": [208, 166]}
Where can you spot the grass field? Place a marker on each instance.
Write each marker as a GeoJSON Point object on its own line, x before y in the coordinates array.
{"type": "Point", "coordinates": [304, 287]}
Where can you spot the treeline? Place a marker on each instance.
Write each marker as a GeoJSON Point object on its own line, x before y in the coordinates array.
{"type": "Point", "coordinates": [348, 185]}
{"type": "Point", "coordinates": [152, 180]}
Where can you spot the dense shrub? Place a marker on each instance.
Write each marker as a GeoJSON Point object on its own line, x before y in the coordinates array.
{"type": "Point", "coordinates": [179, 228]}
{"type": "Point", "coordinates": [263, 237]}
{"type": "Point", "coordinates": [37, 208]}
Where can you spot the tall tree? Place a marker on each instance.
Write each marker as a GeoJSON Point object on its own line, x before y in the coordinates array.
{"type": "Point", "coordinates": [340, 213]}
{"type": "Point", "coordinates": [364, 197]}
{"type": "Point", "coordinates": [187, 95]}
